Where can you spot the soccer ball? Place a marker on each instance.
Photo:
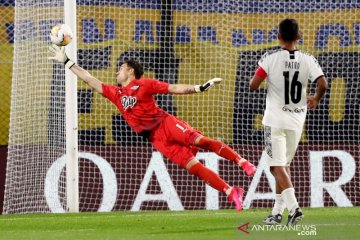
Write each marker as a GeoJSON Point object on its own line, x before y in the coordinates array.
{"type": "Point", "coordinates": [61, 34]}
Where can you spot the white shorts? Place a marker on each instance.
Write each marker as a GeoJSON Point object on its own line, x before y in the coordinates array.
{"type": "Point", "coordinates": [280, 145]}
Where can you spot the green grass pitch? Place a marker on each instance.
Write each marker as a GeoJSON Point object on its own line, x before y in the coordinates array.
{"type": "Point", "coordinates": [318, 223]}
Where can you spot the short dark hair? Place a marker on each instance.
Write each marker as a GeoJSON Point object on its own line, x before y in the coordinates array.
{"type": "Point", "coordinates": [138, 68]}
{"type": "Point", "coordinates": [289, 29]}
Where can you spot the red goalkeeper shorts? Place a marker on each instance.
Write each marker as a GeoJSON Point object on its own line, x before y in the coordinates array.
{"type": "Point", "coordinates": [172, 139]}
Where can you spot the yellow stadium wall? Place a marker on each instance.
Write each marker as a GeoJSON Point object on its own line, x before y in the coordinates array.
{"type": "Point", "coordinates": [216, 119]}
{"type": "Point", "coordinates": [6, 57]}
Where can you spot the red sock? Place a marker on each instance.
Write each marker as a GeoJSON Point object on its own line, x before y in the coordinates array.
{"type": "Point", "coordinates": [219, 148]}
{"type": "Point", "coordinates": [209, 176]}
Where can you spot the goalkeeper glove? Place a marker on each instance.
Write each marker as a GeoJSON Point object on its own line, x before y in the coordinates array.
{"type": "Point", "coordinates": [207, 85]}
{"type": "Point", "coordinates": [60, 55]}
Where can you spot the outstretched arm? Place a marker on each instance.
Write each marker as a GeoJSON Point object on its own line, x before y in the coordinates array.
{"type": "Point", "coordinates": [60, 56]}
{"type": "Point", "coordinates": [89, 79]}
{"type": "Point", "coordinates": [188, 89]}
{"type": "Point", "coordinates": [181, 89]}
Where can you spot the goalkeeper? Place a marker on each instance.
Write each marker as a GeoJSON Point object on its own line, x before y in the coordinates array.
{"type": "Point", "coordinates": [174, 138]}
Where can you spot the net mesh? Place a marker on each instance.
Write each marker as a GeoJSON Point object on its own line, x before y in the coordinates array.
{"type": "Point", "coordinates": [185, 42]}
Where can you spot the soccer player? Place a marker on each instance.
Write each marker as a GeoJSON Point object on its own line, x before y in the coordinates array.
{"type": "Point", "coordinates": [287, 71]}
{"type": "Point", "coordinates": [174, 138]}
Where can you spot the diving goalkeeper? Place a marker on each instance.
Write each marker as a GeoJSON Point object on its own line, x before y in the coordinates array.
{"type": "Point", "coordinates": [174, 138]}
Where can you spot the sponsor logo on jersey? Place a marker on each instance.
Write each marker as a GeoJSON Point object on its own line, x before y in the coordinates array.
{"type": "Point", "coordinates": [134, 87]}
{"type": "Point", "coordinates": [128, 101]}
{"type": "Point", "coordinates": [295, 110]}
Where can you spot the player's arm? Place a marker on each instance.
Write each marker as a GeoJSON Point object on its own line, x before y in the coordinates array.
{"type": "Point", "coordinates": [181, 89]}
{"type": "Point", "coordinates": [89, 79]}
{"type": "Point", "coordinates": [60, 56]}
{"type": "Point", "coordinates": [321, 86]}
{"type": "Point", "coordinates": [257, 79]}
{"type": "Point", "coordinates": [188, 89]}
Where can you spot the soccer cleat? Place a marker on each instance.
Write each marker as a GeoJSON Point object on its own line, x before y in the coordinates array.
{"type": "Point", "coordinates": [273, 219]}
{"type": "Point", "coordinates": [249, 168]}
{"type": "Point", "coordinates": [236, 196]}
{"type": "Point", "coordinates": [295, 218]}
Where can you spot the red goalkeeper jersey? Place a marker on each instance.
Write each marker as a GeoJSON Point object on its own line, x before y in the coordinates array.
{"type": "Point", "coordinates": [136, 102]}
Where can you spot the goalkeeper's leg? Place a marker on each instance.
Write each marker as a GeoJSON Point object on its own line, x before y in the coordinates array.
{"type": "Point", "coordinates": [226, 152]}
{"type": "Point", "coordinates": [235, 194]}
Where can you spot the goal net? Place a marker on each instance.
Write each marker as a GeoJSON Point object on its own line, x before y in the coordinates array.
{"type": "Point", "coordinates": [186, 42]}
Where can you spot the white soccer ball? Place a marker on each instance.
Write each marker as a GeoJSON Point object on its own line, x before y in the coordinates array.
{"type": "Point", "coordinates": [61, 35]}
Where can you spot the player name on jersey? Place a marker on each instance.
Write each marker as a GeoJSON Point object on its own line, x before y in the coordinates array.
{"type": "Point", "coordinates": [292, 65]}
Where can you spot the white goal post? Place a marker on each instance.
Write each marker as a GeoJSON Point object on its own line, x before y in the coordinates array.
{"type": "Point", "coordinates": [71, 123]}
{"type": "Point", "coordinates": [70, 150]}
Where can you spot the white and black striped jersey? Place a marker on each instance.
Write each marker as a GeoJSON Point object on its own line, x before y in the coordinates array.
{"type": "Point", "coordinates": [288, 73]}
